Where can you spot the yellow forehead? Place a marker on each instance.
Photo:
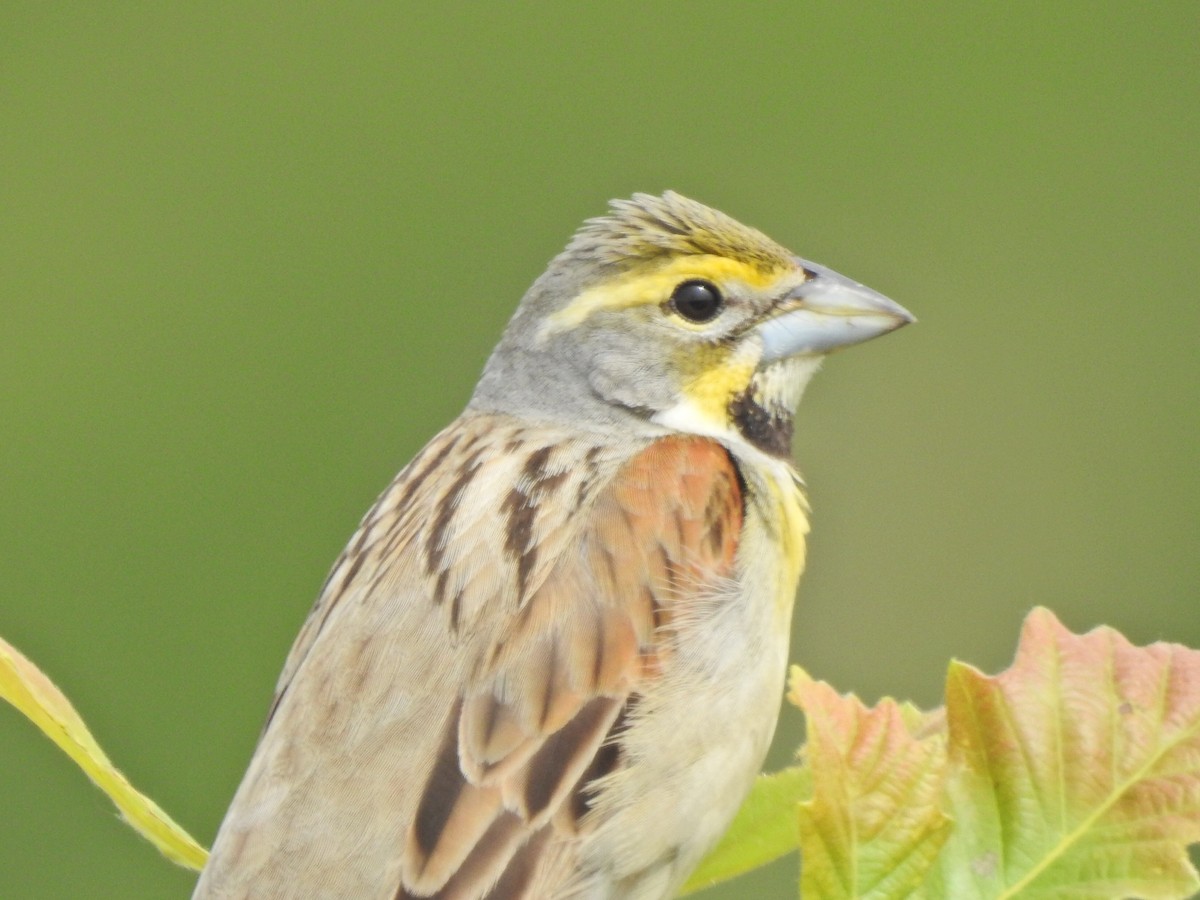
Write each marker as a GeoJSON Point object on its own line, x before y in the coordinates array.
{"type": "Point", "coordinates": [641, 287]}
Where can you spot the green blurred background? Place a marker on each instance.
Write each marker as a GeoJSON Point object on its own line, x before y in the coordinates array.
{"type": "Point", "coordinates": [252, 256]}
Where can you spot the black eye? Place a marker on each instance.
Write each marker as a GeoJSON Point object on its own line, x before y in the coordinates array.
{"type": "Point", "coordinates": [697, 301]}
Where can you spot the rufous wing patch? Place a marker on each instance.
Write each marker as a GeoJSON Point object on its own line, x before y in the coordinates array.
{"type": "Point", "coordinates": [544, 715]}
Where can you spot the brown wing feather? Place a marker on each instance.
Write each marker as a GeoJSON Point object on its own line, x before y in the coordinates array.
{"type": "Point", "coordinates": [531, 732]}
{"type": "Point", "coordinates": [464, 679]}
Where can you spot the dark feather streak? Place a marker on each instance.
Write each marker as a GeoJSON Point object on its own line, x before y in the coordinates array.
{"type": "Point", "coordinates": [558, 757]}
{"type": "Point", "coordinates": [435, 549]}
{"type": "Point", "coordinates": [445, 783]}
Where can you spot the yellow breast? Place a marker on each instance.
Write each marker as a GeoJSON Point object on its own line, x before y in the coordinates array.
{"type": "Point", "coordinates": [774, 539]}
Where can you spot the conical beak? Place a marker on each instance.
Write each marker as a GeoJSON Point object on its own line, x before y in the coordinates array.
{"type": "Point", "coordinates": [826, 312]}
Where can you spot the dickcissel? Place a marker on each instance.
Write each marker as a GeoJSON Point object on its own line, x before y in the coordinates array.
{"type": "Point", "coordinates": [549, 663]}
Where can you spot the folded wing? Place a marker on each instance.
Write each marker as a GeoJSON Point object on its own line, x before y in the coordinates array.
{"type": "Point", "coordinates": [454, 704]}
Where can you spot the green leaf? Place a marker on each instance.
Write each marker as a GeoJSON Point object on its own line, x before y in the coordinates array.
{"type": "Point", "coordinates": [873, 827]}
{"type": "Point", "coordinates": [763, 830]}
{"type": "Point", "coordinates": [1076, 773]}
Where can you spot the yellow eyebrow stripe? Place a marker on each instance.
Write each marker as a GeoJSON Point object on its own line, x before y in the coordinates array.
{"type": "Point", "coordinates": [642, 288]}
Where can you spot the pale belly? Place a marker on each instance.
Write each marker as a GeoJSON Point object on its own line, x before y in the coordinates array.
{"type": "Point", "coordinates": [698, 741]}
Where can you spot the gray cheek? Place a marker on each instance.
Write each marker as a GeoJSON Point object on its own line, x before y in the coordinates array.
{"type": "Point", "coordinates": [621, 377]}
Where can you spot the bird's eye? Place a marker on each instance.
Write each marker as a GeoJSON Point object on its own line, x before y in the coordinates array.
{"type": "Point", "coordinates": [697, 301]}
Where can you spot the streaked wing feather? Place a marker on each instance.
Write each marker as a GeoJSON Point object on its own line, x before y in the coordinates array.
{"type": "Point", "coordinates": [466, 675]}
{"type": "Point", "coordinates": [583, 645]}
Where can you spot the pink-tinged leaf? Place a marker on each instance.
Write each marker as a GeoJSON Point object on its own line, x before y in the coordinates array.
{"type": "Point", "coordinates": [873, 827]}
{"type": "Point", "coordinates": [1076, 773]}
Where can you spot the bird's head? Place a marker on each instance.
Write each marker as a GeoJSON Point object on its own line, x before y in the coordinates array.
{"type": "Point", "coordinates": [668, 314]}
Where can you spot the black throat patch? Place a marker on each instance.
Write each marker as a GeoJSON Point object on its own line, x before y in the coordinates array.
{"type": "Point", "coordinates": [768, 429]}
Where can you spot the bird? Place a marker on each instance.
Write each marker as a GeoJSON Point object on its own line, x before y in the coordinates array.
{"type": "Point", "coordinates": [549, 662]}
